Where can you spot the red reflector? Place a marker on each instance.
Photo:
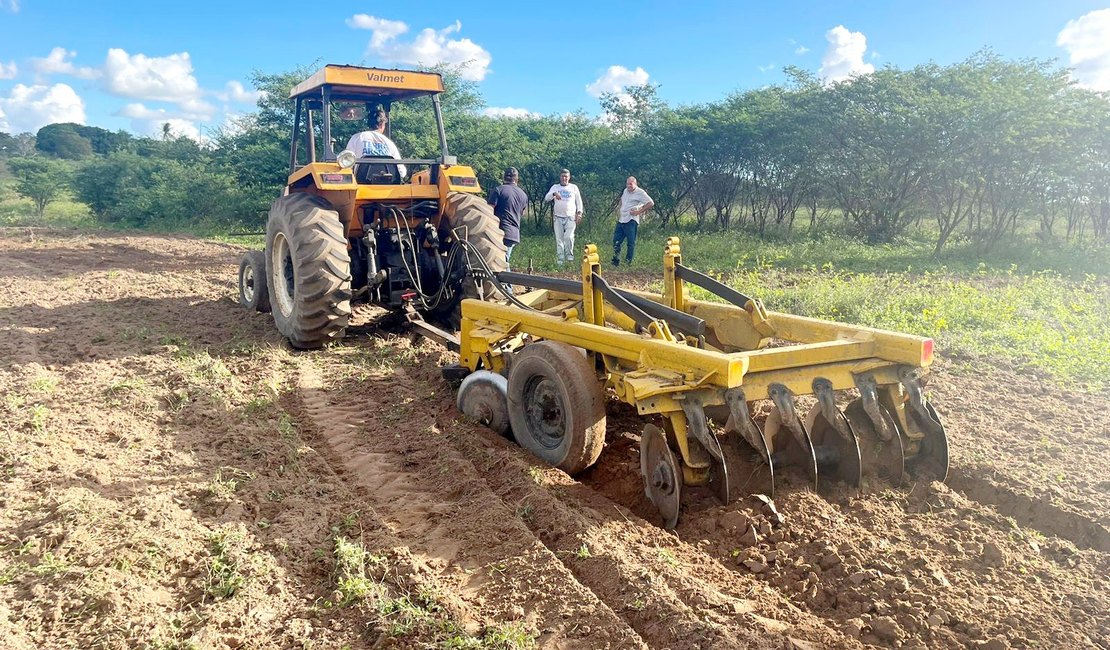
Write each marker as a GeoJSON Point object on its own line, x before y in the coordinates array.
{"type": "Point", "coordinates": [408, 295]}
{"type": "Point", "coordinates": [463, 181]}
{"type": "Point", "coordinates": [927, 352]}
{"type": "Point", "coordinates": [336, 178]}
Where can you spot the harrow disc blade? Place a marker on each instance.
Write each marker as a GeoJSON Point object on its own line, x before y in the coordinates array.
{"type": "Point", "coordinates": [757, 475]}
{"type": "Point", "coordinates": [483, 396]}
{"type": "Point", "coordinates": [790, 447]}
{"type": "Point", "coordinates": [931, 461]}
{"type": "Point", "coordinates": [834, 446]}
{"type": "Point", "coordinates": [662, 474]}
{"type": "Point", "coordinates": [880, 447]}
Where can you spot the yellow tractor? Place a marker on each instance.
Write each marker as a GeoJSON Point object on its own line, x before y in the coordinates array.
{"type": "Point", "coordinates": [350, 226]}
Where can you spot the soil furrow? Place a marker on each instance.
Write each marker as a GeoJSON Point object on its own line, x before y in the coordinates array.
{"type": "Point", "coordinates": [639, 569]}
{"type": "Point", "coordinates": [1030, 512]}
{"type": "Point", "coordinates": [467, 535]}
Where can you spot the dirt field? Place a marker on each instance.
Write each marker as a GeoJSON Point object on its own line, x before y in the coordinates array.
{"type": "Point", "coordinates": [173, 476]}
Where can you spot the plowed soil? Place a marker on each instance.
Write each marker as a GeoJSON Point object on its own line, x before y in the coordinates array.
{"type": "Point", "coordinates": [173, 475]}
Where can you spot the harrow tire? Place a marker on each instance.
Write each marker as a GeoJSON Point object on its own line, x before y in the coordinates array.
{"type": "Point", "coordinates": [471, 217]}
{"type": "Point", "coordinates": [557, 406]}
{"type": "Point", "coordinates": [253, 292]}
{"type": "Point", "coordinates": [308, 270]}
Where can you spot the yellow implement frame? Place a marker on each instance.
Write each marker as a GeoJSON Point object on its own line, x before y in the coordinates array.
{"type": "Point", "coordinates": [742, 347]}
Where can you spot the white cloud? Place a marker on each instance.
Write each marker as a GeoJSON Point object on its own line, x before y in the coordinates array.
{"type": "Point", "coordinates": [141, 112]}
{"type": "Point", "coordinates": [428, 48]}
{"type": "Point", "coordinates": [8, 70]}
{"type": "Point", "coordinates": [801, 50]}
{"type": "Point", "coordinates": [235, 92]}
{"type": "Point", "coordinates": [616, 79]}
{"type": "Point", "coordinates": [1087, 42]}
{"type": "Point", "coordinates": [844, 58]}
{"type": "Point", "coordinates": [382, 30]}
{"type": "Point", "coordinates": [766, 68]}
{"type": "Point", "coordinates": [10, 5]}
{"type": "Point", "coordinates": [148, 121]}
{"type": "Point", "coordinates": [60, 61]}
{"type": "Point", "coordinates": [510, 112]}
{"type": "Point", "coordinates": [178, 128]}
{"type": "Point", "coordinates": [30, 107]}
{"type": "Point", "coordinates": [166, 78]}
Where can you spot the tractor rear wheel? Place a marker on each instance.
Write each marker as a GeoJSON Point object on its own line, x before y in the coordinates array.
{"type": "Point", "coordinates": [471, 219]}
{"type": "Point", "coordinates": [253, 293]}
{"type": "Point", "coordinates": [309, 270]}
{"type": "Point", "coordinates": [556, 405]}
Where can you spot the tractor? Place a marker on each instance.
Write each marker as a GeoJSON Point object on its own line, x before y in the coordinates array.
{"type": "Point", "coordinates": [349, 227]}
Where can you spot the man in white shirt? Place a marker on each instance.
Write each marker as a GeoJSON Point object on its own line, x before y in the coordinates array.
{"type": "Point", "coordinates": [635, 202]}
{"type": "Point", "coordinates": [375, 143]}
{"type": "Point", "coordinates": [568, 214]}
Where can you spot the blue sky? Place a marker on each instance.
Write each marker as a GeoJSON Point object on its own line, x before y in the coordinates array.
{"type": "Point", "coordinates": [135, 65]}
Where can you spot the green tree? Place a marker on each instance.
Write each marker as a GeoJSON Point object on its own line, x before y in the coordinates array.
{"type": "Point", "coordinates": [38, 179]}
{"type": "Point", "coordinates": [63, 141]}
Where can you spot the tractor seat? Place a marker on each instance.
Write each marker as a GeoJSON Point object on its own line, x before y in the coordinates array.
{"type": "Point", "coordinates": [377, 173]}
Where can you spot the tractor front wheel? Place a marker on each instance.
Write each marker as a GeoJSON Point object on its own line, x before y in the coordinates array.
{"type": "Point", "coordinates": [253, 293]}
{"type": "Point", "coordinates": [309, 270]}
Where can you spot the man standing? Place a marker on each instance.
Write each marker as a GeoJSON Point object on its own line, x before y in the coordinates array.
{"type": "Point", "coordinates": [509, 202]}
{"type": "Point", "coordinates": [568, 214]}
{"type": "Point", "coordinates": [375, 143]}
{"type": "Point", "coordinates": [634, 203]}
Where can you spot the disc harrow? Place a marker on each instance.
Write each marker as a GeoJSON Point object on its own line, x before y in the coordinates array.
{"type": "Point", "coordinates": [699, 370]}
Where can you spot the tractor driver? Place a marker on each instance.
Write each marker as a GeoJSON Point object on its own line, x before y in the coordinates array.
{"type": "Point", "coordinates": [375, 143]}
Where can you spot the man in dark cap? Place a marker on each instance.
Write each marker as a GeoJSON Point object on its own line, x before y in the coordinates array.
{"type": "Point", "coordinates": [509, 202]}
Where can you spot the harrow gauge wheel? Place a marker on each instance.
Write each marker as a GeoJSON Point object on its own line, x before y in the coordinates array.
{"type": "Point", "coordinates": [556, 405]}
{"type": "Point", "coordinates": [483, 396]}
{"type": "Point", "coordinates": [662, 474]}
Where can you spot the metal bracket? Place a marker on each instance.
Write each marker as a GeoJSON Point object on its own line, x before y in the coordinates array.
{"type": "Point", "coordinates": [909, 379]}
{"type": "Point", "coordinates": [742, 421]}
{"type": "Point", "coordinates": [697, 427]}
{"type": "Point", "coordinates": [869, 393]}
{"type": "Point", "coordinates": [784, 401]}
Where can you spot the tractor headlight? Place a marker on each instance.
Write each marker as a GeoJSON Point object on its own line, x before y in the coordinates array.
{"type": "Point", "coordinates": [346, 159]}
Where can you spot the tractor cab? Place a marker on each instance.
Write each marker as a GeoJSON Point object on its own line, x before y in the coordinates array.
{"type": "Point", "coordinates": [337, 102]}
{"type": "Point", "coordinates": [350, 95]}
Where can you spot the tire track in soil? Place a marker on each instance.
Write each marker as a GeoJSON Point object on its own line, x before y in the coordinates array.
{"type": "Point", "coordinates": [1030, 512]}
{"type": "Point", "coordinates": [671, 593]}
{"type": "Point", "coordinates": [464, 537]}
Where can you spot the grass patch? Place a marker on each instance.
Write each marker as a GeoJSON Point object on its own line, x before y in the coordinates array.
{"type": "Point", "coordinates": [39, 414]}
{"type": "Point", "coordinates": [352, 581]}
{"type": "Point", "coordinates": [416, 615]}
{"type": "Point", "coordinates": [1044, 321]}
{"type": "Point", "coordinates": [227, 481]}
{"type": "Point", "coordinates": [741, 250]}
{"type": "Point", "coordinates": [224, 574]}
{"type": "Point", "coordinates": [62, 213]}
{"type": "Point", "coordinates": [43, 384]}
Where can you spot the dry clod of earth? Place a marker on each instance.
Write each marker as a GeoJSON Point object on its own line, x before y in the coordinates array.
{"type": "Point", "coordinates": [175, 476]}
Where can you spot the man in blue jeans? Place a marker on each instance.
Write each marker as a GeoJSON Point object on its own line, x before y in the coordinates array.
{"type": "Point", "coordinates": [634, 203]}
{"type": "Point", "coordinates": [509, 203]}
